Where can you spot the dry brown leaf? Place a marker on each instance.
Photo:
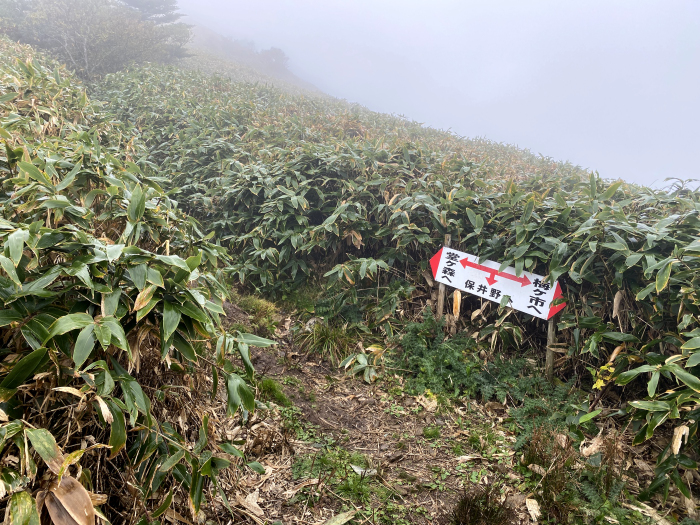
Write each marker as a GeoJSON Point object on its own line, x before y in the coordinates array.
{"type": "Point", "coordinates": [429, 404]}
{"type": "Point", "coordinates": [533, 508]}
{"type": "Point", "coordinates": [106, 412]}
{"type": "Point", "coordinates": [616, 304]}
{"type": "Point", "coordinates": [98, 499]}
{"type": "Point", "coordinates": [562, 440]}
{"type": "Point", "coordinates": [68, 503]}
{"type": "Point", "coordinates": [690, 507]}
{"type": "Point", "coordinates": [643, 466]}
{"type": "Point", "coordinates": [594, 447]}
{"type": "Point", "coordinates": [678, 434]}
{"type": "Point", "coordinates": [250, 502]}
{"type": "Point", "coordinates": [174, 517]}
{"type": "Point", "coordinates": [537, 469]}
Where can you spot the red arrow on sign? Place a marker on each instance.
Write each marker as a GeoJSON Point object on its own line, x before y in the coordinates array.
{"type": "Point", "coordinates": [491, 279]}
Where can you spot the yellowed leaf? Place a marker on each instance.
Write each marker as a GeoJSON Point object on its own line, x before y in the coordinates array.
{"type": "Point", "coordinates": [144, 297]}
{"type": "Point", "coordinates": [106, 412]}
{"type": "Point", "coordinates": [70, 390]}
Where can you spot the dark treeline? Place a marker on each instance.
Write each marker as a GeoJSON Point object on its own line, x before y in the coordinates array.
{"type": "Point", "coordinates": [96, 37]}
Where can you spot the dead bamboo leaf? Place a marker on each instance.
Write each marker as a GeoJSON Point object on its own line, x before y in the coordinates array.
{"type": "Point", "coordinates": [678, 434]}
{"type": "Point", "coordinates": [533, 508]}
{"type": "Point", "coordinates": [470, 457]}
{"type": "Point", "coordinates": [174, 517]}
{"type": "Point", "coordinates": [104, 409]}
{"type": "Point", "coordinates": [70, 390]}
{"type": "Point", "coordinates": [364, 472]}
{"type": "Point", "coordinates": [429, 405]}
{"type": "Point", "coordinates": [250, 502]}
{"type": "Point", "coordinates": [289, 493]}
{"type": "Point", "coordinates": [341, 518]}
{"type": "Point", "coordinates": [537, 469]}
{"type": "Point", "coordinates": [67, 503]}
{"type": "Point", "coordinates": [594, 447]}
{"type": "Point", "coordinates": [616, 304]}
{"type": "Point", "coordinates": [647, 511]}
{"type": "Point", "coordinates": [456, 304]}
{"type": "Point", "coordinates": [98, 499]}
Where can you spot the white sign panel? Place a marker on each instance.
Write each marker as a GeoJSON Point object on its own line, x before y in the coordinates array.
{"type": "Point", "coordinates": [529, 293]}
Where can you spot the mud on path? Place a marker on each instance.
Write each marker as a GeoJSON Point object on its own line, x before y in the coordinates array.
{"type": "Point", "coordinates": [346, 445]}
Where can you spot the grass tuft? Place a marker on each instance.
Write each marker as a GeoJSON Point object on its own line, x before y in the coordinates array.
{"type": "Point", "coordinates": [271, 390]}
{"type": "Point", "coordinates": [481, 505]}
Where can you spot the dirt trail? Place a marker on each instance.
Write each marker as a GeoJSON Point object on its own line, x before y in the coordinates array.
{"type": "Point", "coordinates": [417, 454]}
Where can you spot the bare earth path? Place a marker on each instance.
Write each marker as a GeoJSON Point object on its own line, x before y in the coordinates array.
{"type": "Point", "coordinates": [346, 445]}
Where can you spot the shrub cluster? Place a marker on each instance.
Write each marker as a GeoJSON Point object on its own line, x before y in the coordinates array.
{"type": "Point", "coordinates": [104, 280]}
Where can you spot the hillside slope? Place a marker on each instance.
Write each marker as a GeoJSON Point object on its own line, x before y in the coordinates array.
{"type": "Point", "coordinates": [131, 215]}
{"type": "Point", "coordinates": [320, 199]}
{"type": "Point", "coordinates": [214, 54]}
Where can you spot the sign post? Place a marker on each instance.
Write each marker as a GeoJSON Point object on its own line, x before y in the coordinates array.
{"type": "Point", "coordinates": [528, 292]}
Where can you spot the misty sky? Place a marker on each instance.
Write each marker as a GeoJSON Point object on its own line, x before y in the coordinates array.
{"type": "Point", "coordinates": [610, 85]}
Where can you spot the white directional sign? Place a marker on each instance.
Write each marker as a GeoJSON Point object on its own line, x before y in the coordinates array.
{"type": "Point", "coordinates": [529, 293]}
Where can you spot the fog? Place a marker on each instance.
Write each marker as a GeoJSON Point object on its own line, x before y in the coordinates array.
{"type": "Point", "coordinates": [610, 86]}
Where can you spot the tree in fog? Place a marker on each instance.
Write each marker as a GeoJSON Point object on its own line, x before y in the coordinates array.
{"type": "Point", "coordinates": [275, 58]}
{"type": "Point", "coordinates": [93, 37]}
{"type": "Point", "coordinates": [164, 13]}
{"type": "Point", "coordinates": [156, 11]}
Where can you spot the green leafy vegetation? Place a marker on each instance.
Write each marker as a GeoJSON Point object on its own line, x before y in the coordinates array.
{"type": "Point", "coordinates": [103, 280]}
{"type": "Point", "coordinates": [297, 186]}
{"type": "Point", "coordinates": [348, 472]}
{"type": "Point", "coordinates": [107, 274]}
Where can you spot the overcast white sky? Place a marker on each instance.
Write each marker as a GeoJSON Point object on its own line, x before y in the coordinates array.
{"type": "Point", "coordinates": [611, 85]}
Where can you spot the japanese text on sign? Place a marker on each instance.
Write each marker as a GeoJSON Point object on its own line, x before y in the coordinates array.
{"type": "Point", "coordinates": [528, 293]}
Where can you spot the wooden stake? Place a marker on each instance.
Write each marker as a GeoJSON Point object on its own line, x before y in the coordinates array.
{"type": "Point", "coordinates": [549, 362]}
{"type": "Point", "coordinates": [441, 300]}
{"type": "Point", "coordinates": [441, 288]}
{"type": "Point", "coordinates": [452, 319]}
